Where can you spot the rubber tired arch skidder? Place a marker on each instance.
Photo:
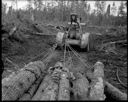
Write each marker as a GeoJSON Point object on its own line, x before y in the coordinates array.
{"type": "Point", "coordinates": [74, 35]}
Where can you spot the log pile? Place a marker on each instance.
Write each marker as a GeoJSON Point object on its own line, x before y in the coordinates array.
{"type": "Point", "coordinates": [18, 83]}
{"type": "Point", "coordinates": [31, 83]}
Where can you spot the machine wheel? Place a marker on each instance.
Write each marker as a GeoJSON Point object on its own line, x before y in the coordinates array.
{"type": "Point", "coordinates": [59, 38]}
{"type": "Point", "coordinates": [84, 41]}
{"type": "Point", "coordinates": [90, 45]}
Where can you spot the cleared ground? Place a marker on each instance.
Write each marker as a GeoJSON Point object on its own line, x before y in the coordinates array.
{"type": "Point", "coordinates": [16, 54]}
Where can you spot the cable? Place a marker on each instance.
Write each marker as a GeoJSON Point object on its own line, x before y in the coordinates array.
{"type": "Point", "coordinates": [64, 54]}
{"type": "Point", "coordinates": [78, 56]}
{"type": "Point", "coordinates": [70, 57]}
{"type": "Point", "coordinates": [120, 80]}
{"type": "Point", "coordinates": [46, 53]}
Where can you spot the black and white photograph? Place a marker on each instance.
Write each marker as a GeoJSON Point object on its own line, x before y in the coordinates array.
{"type": "Point", "coordinates": [64, 50]}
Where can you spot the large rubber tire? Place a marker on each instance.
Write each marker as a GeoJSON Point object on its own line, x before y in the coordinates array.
{"type": "Point", "coordinates": [84, 40]}
{"type": "Point", "coordinates": [90, 46]}
{"type": "Point", "coordinates": [59, 38]}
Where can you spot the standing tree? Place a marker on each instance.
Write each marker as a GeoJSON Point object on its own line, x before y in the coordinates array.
{"type": "Point", "coordinates": [89, 8]}
{"type": "Point", "coordinates": [88, 11]}
{"type": "Point", "coordinates": [108, 11]}
{"type": "Point", "coordinates": [121, 11]}
{"type": "Point", "coordinates": [30, 9]}
{"type": "Point", "coordinates": [122, 15]}
{"type": "Point", "coordinates": [126, 4]}
{"type": "Point", "coordinates": [113, 9]}
{"type": "Point", "coordinates": [100, 10]}
{"type": "Point", "coordinates": [38, 4]}
{"type": "Point", "coordinates": [4, 12]}
{"type": "Point", "coordinates": [97, 5]}
{"type": "Point", "coordinates": [100, 7]}
{"type": "Point", "coordinates": [103, 6]}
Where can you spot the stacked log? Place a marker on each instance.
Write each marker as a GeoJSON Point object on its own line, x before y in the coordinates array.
{"type": "Point", "coordinates": [97, 83]}
{"type": "Point", "coordinates": [81, 86]}
{"type": "Point", "coordinates": [42, 87]}
{"type": "Point", "coordinates": [30, 93]}
{"type": "Point", "coordinates": [51, 91]}
{"type": "Point", "coordinates": [31, 83]}
{"type": "Point", "coordinates": [17, 84]}
{"type": "Point", "coordinates": [48, 88]}
{"type": "Point", "coordinates": [55, 85]}
{"type": "Point", "coordinates": [64, 93]}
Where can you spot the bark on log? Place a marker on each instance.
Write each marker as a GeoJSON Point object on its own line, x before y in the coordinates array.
{"type": "Point", "coordinates": [97, 83]}
{"type": "Point", "coordinates": [80, 87]}
{"type": "Point", "coordinates": [64, 92]}
{"type": "Point", "coordinates": [41, 88]}
{"type": "Point", "coordinates": [111, 90]}
{"type": "Point", "coordinates": [47, 90]}
{"type": "Point", "coordinates": [114, 92]}
{"type": "Point", "coordinates": [14, 87]}
{"type": "Point", "coordinates": [15, 65]}
{"type": "Point", "coordinates": [50, 93]}
{"type": "Point", "coordinates": [32, 90]}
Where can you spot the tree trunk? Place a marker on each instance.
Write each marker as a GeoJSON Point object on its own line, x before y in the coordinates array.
{"type": "Point", "coordinates": [32, 90]}
{"type": "Point", "coordinates": [47, 90]}
{"type": "Point", "coordinates": [80, 87]}
{"type": "Point", "coordinates": [97, 83]}
{"type": "Point", "coordinates": [114, 92]}
{"type": "Point", "coordinates": [50, 93]}
{"type": "Point", "coordinates": [41, 88]}
{"type": "Point", "coordinates": [64, 92]}
{"type": "Point", "coordinates": [15, 86]}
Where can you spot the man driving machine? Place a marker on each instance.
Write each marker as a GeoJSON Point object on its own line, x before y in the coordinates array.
{"type": "Point", "coordinates": [74, 25]}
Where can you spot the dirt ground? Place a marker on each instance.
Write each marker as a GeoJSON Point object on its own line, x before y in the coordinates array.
{"type": "Point", "coordinates": [16, 54]}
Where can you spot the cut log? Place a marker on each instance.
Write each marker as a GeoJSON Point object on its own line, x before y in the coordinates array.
{"type": "Point", "coordinates": [15, 65]}
{"type": "Point", "coordinates": [119, 41]}
{"type": "Point", "coordinates": [45, 82]}
{"type": "Point", "coordinates": [80, 87]}
{"type": "Point", "coordinates": [114, 92]}
{"type": "Point", "coordinates": [47, 90]}
{"type": "Point", "coordinates": [32, 90]}
{"type": "Point", "coordinates": [110, 90]}
{"type": "Point", "coordinates": [50, 93]}
{"type": "Point", "coordinates": [64, 92]}
{"type": "Point", "coordinates": [97, 83]}
{"type": "Point", "coordinates": [14, 87]}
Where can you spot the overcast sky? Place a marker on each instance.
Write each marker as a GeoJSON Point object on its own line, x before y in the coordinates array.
{"type": "Point", "coordinates": [22, 3]}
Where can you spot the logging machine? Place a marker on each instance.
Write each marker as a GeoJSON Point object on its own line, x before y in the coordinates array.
{"type": "Point", "coordinates": [74, 35]}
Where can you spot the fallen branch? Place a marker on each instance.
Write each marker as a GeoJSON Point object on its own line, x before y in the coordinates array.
{"type": "Point", "coordinates": [10, 33]}
{"type": "Point", "coordinates": [114, 42]}
{"type": "Point", "coordinates": [15, 65]}
{"type": "Point", "coordinates": [38, 34]}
